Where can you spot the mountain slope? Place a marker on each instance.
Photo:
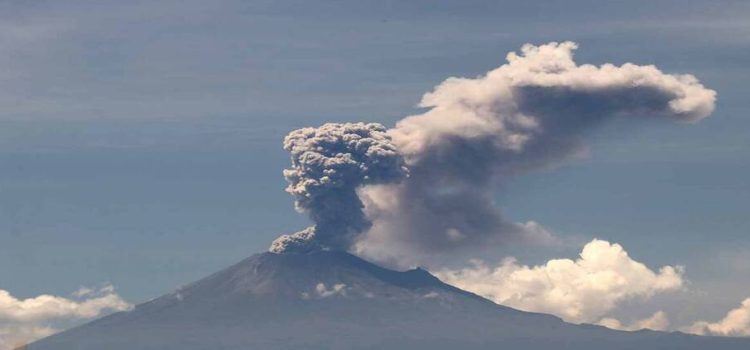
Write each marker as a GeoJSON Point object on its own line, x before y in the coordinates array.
{"type": "Point", "coordinates": [331, 300]}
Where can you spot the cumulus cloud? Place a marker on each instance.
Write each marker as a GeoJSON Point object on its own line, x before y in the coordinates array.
{"type": "Point", "coordinates": [24, 320]}
{"type": "Point", "coordinates": [16, 336]}
{"type": "Point", "coordinates": [329, 164]}
{"type": "Point", "coordinates": [735, 323]}
{"type": "Point", "coordinates": [656, 322]}
{"type": "Point", "coordinates": [581, 290]}
{"type": "Point", "coordinates": [530, 113]}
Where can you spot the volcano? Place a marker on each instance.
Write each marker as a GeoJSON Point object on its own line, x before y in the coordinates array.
{"type": "Point", "coordinates": [334, 300]}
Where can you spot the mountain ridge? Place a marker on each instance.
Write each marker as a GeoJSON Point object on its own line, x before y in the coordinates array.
{"type": "Point", "coordinates": [334, 300]}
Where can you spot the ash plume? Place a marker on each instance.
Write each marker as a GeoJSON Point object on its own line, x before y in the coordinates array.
{"type": "Point", "coordinates": [329, 164]}
{"type": "Point", "coordinates": [528, 114]}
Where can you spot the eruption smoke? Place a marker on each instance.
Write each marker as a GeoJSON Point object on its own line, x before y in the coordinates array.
{"type": "Point", "coordinates": [328, 165]}
{"type": "Point", "coordinates": [525, 115]}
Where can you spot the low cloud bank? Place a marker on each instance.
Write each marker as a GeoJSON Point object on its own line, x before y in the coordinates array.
{"type": "Point", "coordinates": [25, 320]}
{"type": "Point", "coordinates": [581, 290]}
{"type": "Point", "coordinates": [736, 323]}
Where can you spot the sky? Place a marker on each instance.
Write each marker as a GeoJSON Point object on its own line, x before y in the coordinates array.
{"type": "Point", "coordinates": [141, 142]}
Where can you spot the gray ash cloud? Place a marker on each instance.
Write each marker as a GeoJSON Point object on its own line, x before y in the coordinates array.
{"type": "Point", "coordinates": [528, 114]}
{"type": "Point", "coordinates": [329, 164]}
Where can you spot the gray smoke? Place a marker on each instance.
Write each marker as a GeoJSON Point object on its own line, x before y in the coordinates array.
{"type": "Point", "coordinates": [329, 164]}
{"type": "Point", "coordinates": [527, 114]}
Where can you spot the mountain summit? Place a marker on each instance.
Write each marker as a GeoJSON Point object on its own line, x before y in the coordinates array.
{"type": "Point", "coordinates": [334, 300]}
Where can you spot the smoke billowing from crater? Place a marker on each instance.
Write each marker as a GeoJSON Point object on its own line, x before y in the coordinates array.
{"type": "Point", "coordinates": [329, 164]}
{"type": "Point", "coordinates": [528, 114]}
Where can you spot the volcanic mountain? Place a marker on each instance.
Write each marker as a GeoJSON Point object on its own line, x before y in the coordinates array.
{"type": "Point", "coordinates": [334, 300]}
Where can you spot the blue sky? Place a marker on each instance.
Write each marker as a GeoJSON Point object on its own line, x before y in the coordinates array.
{"type": "Point", "coordinates": [140, 143]}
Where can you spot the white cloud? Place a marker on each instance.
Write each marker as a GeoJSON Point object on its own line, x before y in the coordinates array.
{"type": "Point", "coordinates": [735, 323]}
{"type": "Point", "coordinates": [657, 322]}
{"type": "Point", "coordinates": [46, 307]}
{"type": "Point", "coordinates": [25, 320]}
{"type": "Point", "coordinates": [581, 290]}
{"type": "Point", "coordinates": [14, 336]}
